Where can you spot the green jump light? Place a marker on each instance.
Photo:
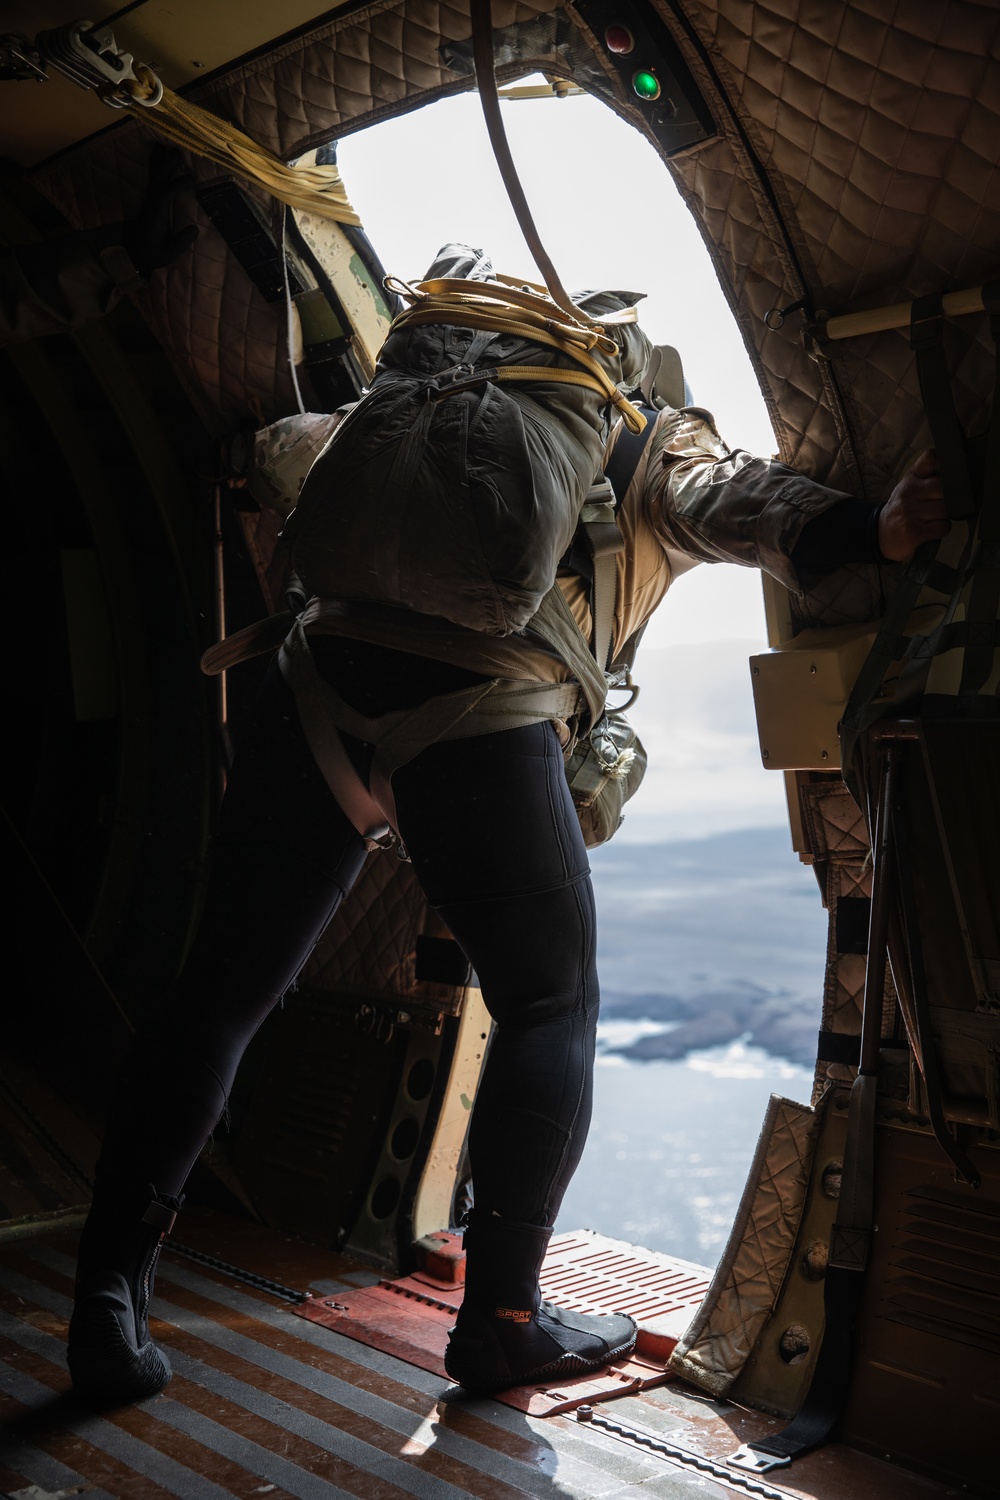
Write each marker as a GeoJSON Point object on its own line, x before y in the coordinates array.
{"type": "Point", "coordinates": [645, 85]}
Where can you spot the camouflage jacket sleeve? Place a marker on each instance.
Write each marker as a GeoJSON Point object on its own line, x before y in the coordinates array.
{"type": "Point", "coordinates": [56, 284]}
{"type": "Point", "coordinates": [718, 504]}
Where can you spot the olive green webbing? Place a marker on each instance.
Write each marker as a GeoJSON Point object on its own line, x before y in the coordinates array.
{"type": "Point", "coordinates": [486, 708]}
{"type": "Point", "coordinates": [398, 737]}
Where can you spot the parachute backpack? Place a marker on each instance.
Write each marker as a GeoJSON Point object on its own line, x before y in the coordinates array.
{"type": "Point", "coordinates": [455, 485]}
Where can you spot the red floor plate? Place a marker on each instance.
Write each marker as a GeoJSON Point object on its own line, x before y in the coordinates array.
{"type": "Point", "coordinates": [410, 1317]}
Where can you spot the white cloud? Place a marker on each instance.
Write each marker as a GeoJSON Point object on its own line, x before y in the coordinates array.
{"type": "Point", "coordinates": [695, 718]}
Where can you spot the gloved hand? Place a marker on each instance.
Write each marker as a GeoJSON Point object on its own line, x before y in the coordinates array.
{"type": "Point", "coordinates": [151, 239]}
{"type": "Point", "coordinates": [915, 512]}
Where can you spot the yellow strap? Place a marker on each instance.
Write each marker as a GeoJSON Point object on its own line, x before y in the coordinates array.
{"type": "Point", "coordinates": [465, 312]}
{"type": "Point", "coordinates": [526, 295]}
{"type": "Point", "coordinates": [318, 190]}
{"type": "Point", "coordinates": [444, 293]}
{"type": "Point", "coordinates": [500, 309]}
{"type": "Point", "coordinates": [633, 419]}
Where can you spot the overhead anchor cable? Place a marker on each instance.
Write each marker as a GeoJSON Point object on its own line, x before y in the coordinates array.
{"type": "Point", "coordinates": [89, 55]}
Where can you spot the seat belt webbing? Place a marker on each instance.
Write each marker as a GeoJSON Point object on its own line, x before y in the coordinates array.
{"type": "Point", "coordinates": [926, 341]}
{"type": "Point", "coordinates": [984, 599]}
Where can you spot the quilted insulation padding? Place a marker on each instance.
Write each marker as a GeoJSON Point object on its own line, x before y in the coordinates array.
{"type": "Point", "coordinates": [369, 947]}
{"type": "Point", "coordinates": [876, 125]}
{"type": "Point", "coordinates": [750, 1274]}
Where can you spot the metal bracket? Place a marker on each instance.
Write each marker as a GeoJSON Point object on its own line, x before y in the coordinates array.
{"type": "Point", "coordinates": [752, 1462]}
{"type": "Point", "coordinates": [88, 54]}
{"type": "Point", "coordinates": [19, 60]}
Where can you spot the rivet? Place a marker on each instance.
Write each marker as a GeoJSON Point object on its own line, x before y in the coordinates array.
{"type": "Point", "coordinates": [764, 755]}
{"type": "Point", "coordinates": [813, 670]}
{"type": "Point", "coordinates": [584, 1413]}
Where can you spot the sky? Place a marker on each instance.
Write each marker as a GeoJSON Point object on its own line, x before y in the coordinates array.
{"type": "Point", "coordinates": [609, 215]}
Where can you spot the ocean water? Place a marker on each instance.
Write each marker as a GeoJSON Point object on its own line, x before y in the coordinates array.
{"type": "Point", "coordinates": [711, 955]}
{"type": "Point", "coordinates": [670, 1145]}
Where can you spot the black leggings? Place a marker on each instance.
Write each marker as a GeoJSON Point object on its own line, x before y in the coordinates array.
{"type": "Point", "coordinates": [490, 828]}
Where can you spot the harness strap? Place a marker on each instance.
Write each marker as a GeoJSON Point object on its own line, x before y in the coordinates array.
{"type": "Point", "coordinates": [554, 622]}
{"type": "Point", "coordinates": [606, 543]}
{"type": "Point", "coordinates": [327, 747]}
{"type": "Point", "coordinates": [627, 452]}
{"type": "Point", "coordinates": [485, 708]}
{"type": "Point", "coordinates": [926, 326]}
{"type": "Point", "coordinates": [253, 640]}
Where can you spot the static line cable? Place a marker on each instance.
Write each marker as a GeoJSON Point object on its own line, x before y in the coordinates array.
{"type": "Point", "coordinates": [482, 51]}
{"type": "Point", "coordinates": [126, 10]}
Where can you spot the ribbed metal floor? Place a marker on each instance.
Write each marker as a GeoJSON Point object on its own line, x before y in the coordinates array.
{"type": "Point", "coordinates": [266, 1403]}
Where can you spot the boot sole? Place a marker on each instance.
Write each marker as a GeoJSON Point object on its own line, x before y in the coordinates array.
{"type": "Point", "coordinates": [105, 1370]}
{"type": "Point", "coordinates": [566, 1367]}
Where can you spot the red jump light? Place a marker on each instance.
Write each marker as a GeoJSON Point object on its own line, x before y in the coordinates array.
{"type": "Point", "coordinates": [618, 39]}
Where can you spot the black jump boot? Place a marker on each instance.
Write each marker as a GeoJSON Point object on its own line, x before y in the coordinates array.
{"type": "Point", "coordinates": [505, 1334]}
{"type": "Point", "coordinates": [111, 1357]}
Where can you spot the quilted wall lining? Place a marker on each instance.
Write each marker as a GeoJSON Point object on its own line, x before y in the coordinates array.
{"type": "Point", "coordinates": [369, 947]}
{"type": "Point", "coordinates": [876, 123]}
{"type": "Point", "coordinates": [750, 1275]}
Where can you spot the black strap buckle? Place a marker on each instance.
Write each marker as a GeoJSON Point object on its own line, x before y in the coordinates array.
{"type": "Point", "coordinates": [458, 378]}
{"type": "Point", "coordinates": [159, 1217]}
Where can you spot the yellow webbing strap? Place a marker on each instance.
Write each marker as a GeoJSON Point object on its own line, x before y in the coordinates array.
{"type": "Point", "coordinates": [534, 304]}
{"type": "Point", "coordinates": [503, 309]}
{"type": "Point", "coordinates": [318, 190]}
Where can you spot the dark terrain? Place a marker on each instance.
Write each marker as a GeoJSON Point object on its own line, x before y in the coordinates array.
{"type": "Point", "coordinates": [722, 937]}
